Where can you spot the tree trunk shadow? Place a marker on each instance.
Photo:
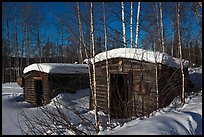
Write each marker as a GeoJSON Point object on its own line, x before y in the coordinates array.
{"type": "Point", "coordinates": [197, 117]}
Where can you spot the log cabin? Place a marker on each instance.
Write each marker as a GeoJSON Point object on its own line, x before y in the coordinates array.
{"type": "Point", "coordinates": [140, 81]}
{"type": "Point", "coordinates": [43, 81]}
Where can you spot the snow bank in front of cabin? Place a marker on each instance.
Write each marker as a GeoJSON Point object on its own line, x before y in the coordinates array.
{"type": "Point", "coordinates": [142, 55]}
{"type": "Point", "coordinates": [172, 120]}
{"type": "Point", "coordinates": [59, 68]}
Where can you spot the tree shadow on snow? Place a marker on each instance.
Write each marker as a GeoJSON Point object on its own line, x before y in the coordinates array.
{"type": "Point", "coordinates": [17, 98]}
{"type": "Point", "coordinates": [197, 117]}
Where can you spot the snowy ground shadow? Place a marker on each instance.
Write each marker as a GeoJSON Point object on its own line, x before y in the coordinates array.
{"type": "Point", "coordinates": [197, 117]}
{"type": "Point", "coordinates": [17, 98]}
{"type": "Point", "coordinates": [24, 104]}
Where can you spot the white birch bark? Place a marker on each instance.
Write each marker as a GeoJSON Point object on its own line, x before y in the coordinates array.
{"type": "Point", "coordinates": [38, 39]}
{"type": "Point", "coordinates": [137, 26]}
{"type": "Point", "coordinates": [123, 22]}
{"type": "Point", "coordinates": [94, 71]}
{"type": "Point", "coordinates": [162, 28]}
{"type": "Point", "coordinates": [107, 69]}
{"type": "Point", "coordinates": [131, 18]}
{"type": "Point", "coordinates": [16, 42]}
{"type": "Point", "coordinates": [158, 26]}
{"type": "Point", "coordinates": [23, 44]}
{"type": "Point", "coordinates": [156, 76]}
{"type": "Point", "coordinates": [8, 40]}
{"type": "Point", "coordinates": [172, 46]}
{"type": "Point", "coordinates": [156, 82]}
{"type": "Point", "coordinates": [180, 52]}
{"type": "Point", "coordinates": [80, 41]}
{"type": "Point", "coordinates": [28, 33]}
{"type": "Point", "coordinates": [86, 54]}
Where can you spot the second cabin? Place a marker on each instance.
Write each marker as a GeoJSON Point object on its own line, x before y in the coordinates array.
{"type": "Point", "coordinates": [140, 81]}
{"type": "Point", "coordinates": [43, 81]}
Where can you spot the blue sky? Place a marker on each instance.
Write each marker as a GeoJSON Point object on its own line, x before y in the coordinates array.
{"type": "Point", "coordinates": [64, 10]}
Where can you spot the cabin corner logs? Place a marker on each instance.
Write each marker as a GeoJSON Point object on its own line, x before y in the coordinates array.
{"type": "Point", "coordinates": [133, 87]}
{"type": "Point", "coordinates": [40, 87]}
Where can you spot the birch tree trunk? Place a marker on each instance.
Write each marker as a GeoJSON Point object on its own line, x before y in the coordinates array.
{"type": "Point", "coordinates": [86, 54]}
{"type": "Point", "coordinates": [162, 28]}
{"type": "Point", "coordinates": [16, 42]}
{"type": "Point", "coordinates": [94, 71]}
{"type": "Point", "coordinates": [172, 46]}
{"type": "Point", "coordinates": [137, 26]}
{"type": "Point", "coordinates": [80, 40]}
{"type": "Point", "coordinates": [22, 45]}
{"type": "Point", "coordinates": [8, 40]}
{"type": "Point", "coordinates": [38, 44]}
{"type": "Point", "coordinates": [156, 75]}
{"type": "Point", "coordinates": [28, 40]}
{"type": "Point", "coordinates": [158, 27]}
{"type": "Point", "coordinates": [64, 47]}
{"type": "Point", "coordinates": [38, 38]}
{"type": "Point", "coordinates": [124, 28]}
{"type": "Point", "coordinates": [131, 17]}
{"type": "Point", "coordinates": [156, 83]}
{"type": "Point", "coordinates": [180, 52]}
{"type": "Point", "coordinates": [107, 68]}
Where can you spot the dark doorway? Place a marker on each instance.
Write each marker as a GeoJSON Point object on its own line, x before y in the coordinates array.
{"type": "Point", "coordinates": [118, 95]}
{"type": "Point", "coordinates": [38, 91]}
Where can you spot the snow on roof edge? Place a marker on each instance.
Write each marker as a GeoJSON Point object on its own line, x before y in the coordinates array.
{"type": "Point", "coordinates": [58, 68]}
{"type": "Point", "coordinates": [140, 54]}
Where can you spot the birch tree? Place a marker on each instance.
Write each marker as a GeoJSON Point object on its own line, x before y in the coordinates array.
{"type": "Point", "coordinates": [5, 44]}
{"type": "Point", "coordinates": [131, 17]}
{"type": "Point", "coordinates": [162, 27]}
{"type": "Point", "coordinates": [180, 51]}
{"type": "Point", "coordinates": [8, 39]}
{"type": "Point", "coordinates": [94, 71]}
{"type": "Point", "coordinates": [23, 43]}
{"type": "Point", "coordinates": [107, 68]}
{"type": "Point", "coordinates": [16, 42]}
{"type": "Point", "coordinates": [158, 26]}
{"type": "Point", "coordinates": [137, 26]}
{"type": "Point", "coordinates": [86, 54]}
{"type": "Point", "coordinates": [156, 73]}
{"type": "Point", "coordinates": [123, 22]}
{"type": "Point", "coordinates": [172, 46]}
{"type": "Point", "coordinates": [27, 32]}
{"type": "Point", "coordinates": [38, 36]}
{"type": "Point", "coordinates": [80, 40]}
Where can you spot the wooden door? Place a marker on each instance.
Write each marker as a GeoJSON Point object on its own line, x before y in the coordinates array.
{"type": "Point", "coordinates": [119, 95]}
{"type": "Point", "coordinates": [38, 92]}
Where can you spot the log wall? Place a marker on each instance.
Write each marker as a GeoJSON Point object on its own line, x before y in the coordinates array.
{"type": "Point", "coordinates": [29, 89]}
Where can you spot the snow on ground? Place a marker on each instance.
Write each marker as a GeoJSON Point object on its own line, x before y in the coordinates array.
{"type": "Point", "coordinates": [181, 120]}
{"type": "Point", "coordinates": [174, 119]}
{"type": "Point", "coordinates": [11, 95]}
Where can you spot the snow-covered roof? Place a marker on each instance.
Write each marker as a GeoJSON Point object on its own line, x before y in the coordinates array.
{"type": "Point", "coordinates": [58, 68]}
{"type": "Point", "coordinates": [142, 55]}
